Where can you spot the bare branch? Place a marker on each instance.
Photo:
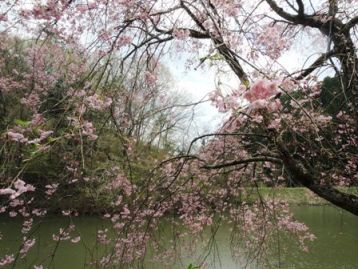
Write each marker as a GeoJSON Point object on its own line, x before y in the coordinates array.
{"type": "Point", "coordinates": [333, 8]}
{"type": "Point", "coordinates": [222, 134]}
{"type": "Point", "coordinates": [353, 22]}
{"type": "Point", "coordinates": [343, 200]}
{"type": "Point", "coordinates": [236, 162]}
{"type": "Point", "coordinates": [302, 19]}
{"type": "Point", "coordinates": [281, 12]}
{"type": "Point", "coordinates": [301, 8]}
{"type": "Point", "coordinates": [318, 63]}
{"type": "Point", "coordinates": [221, 47]}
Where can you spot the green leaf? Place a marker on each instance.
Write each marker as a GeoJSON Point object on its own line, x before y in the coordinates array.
{"type": "Point", "coordinates": [191, 266]}
{"type": "Point", "coordinates": [216, 57]}
{"type": "Point", "coordinates": [22, 123]}
{"type": "Point", "coordinates": [246, 83]}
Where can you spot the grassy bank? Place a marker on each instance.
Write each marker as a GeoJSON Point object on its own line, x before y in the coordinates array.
{"type": "Point", "coordinates": [86, 204]}
{"type": "Point", "coordinates": [295, 196]}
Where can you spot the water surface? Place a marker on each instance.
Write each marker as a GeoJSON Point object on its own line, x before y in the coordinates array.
{"type": "Point", "coordinates": [336, 246]}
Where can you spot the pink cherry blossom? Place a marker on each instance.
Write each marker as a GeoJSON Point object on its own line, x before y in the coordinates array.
{"type": "Point", "coordinates": [14, 136]}
{"type": "Point", "coordinates": [261, 90]}
{"type": "Point", "coordinates": [6, 260]}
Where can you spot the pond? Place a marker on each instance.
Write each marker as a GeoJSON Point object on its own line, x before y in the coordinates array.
{"type": "Point", "coordinates": [336, 246]}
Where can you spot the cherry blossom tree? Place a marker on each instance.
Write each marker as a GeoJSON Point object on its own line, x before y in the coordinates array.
{"type": "Point", "coordinates": [278, 128]}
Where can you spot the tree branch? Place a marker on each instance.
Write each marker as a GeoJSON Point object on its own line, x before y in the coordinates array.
{"type": "Point", "coordinates": [280, 11]}
{"type": "Point", "coordinates": [236, 162]}
{"type": "Point", "coordinates": [333, 8]}
{"type": "Point", "coordinates": [221, 46]}
{"type": "Point", "coordinates": [343, 200]}
{"type": "Point", "coordinates": [353, 22]}
{"type": "Point", "coordinates": [302, 19]}
{"type": "Point", "coordinates": [318, 63]}
{"type": "Point", "coordinates": [301, 8]}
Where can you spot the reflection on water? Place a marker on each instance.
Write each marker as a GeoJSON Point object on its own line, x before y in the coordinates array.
{"type": "Point", "coordinates": [336, 246]}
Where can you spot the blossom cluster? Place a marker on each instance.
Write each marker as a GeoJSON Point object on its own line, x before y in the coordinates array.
{"type": "Point", "coordinates": [19, 187]}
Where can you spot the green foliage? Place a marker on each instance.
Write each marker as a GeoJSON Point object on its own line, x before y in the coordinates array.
{"type": "Point", "coordinates": [40, 166]}
{"type": "Point", "coordinates": [22, 123]}
{"type": "Point", "coordinates": [191, 266]}
{"type": "Point", "coordinates": [332, 96]}
{"type": "Point", "coordinates": [54, 105]}
{"type": "Point", "coordinates": [293, 196]}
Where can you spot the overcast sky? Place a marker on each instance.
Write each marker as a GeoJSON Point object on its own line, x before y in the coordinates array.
{"type": "Point", "coordinates": [197, 84]}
